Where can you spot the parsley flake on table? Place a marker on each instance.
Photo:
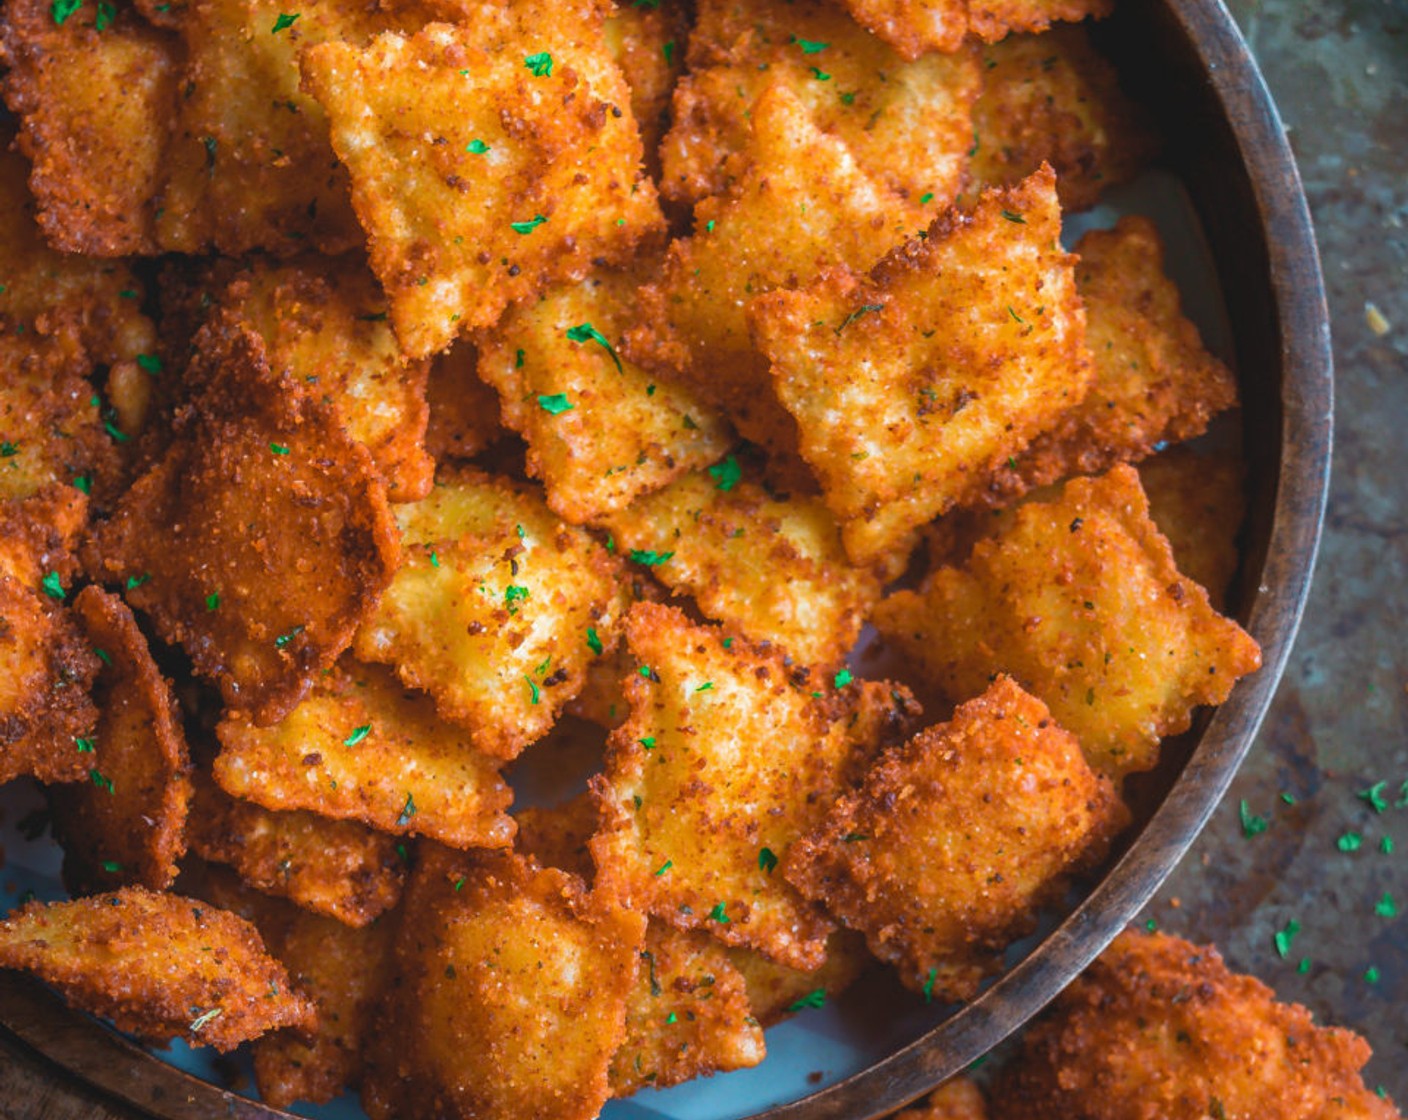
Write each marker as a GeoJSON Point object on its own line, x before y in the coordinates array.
{"type": "Point", "coordinates": [1251, 823]}
{"type": "Point", "coordinates": [1374, 796]}
{"type": "Point", "coordinates": [1284, 936]}
{"type": "Point", "coordinates": [1350, 842]}
{"type": "Point", "coordinates": [285, 21]}
{"type": "Point", "coordinates": [1386, 907]}
{"type": "Point", "coordinates": [540, 64]}
{"type": "Point", "coordinates": [555, 403]}
{"type": "Point", "coordinates": [585, 332]}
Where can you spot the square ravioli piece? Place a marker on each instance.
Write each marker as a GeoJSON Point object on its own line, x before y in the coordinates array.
{"type": "Point", "coordinates": [508, 994]}
{"type": "Point", "coordinates": [724, 761]}
{"type": "Point", "coordinates": [915, 27]}
{"type": "Point", "coordinates": [1079, 599]}
{"type": "Point", "coordinates": [945, 852]}
{"type": "Point", "coordinates": [772, 566]}
{"type": "Point", "coordinates": [260, 539]}
{"type": "Point", "coordinates": [361, 746]}
{"type": "Point", "coordinates": [911, 385]}
{"type": "Point", "coordinates": [600, 430]}
{"type": "Point", "coordinates": [497, 609]}
{"type": "Point", "coordinates": [486, 158]}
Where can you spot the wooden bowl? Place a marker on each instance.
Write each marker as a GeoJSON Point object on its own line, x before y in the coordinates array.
{"type": "Point", "coordinates": [1186, 61]}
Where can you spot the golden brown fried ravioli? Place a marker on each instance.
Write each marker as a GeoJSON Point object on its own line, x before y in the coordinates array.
{"type": "Point", "coordinates": [158, 965]}
{"type": "Point", "coordinates": [777, 992]}
{"type": "Point", "coordinates": [911, 385]}
{"type": "Point", "coordinates": [127, 825]}
{"type": "Point", "coordinates": [915, 27]}
{"type": "Point", "coordinates": [648, 43]}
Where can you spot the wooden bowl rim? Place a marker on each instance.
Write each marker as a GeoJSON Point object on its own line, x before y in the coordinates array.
{"type": "Point", "coordinates": [82, 1047]}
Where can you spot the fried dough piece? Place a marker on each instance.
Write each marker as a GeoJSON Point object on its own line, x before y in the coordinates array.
{"type": "Point", "coordinates": [956, 1099]}
{"type": "Point", "coordinates": [130, 828]}
{"type": "Point", "coordinates": [337, 868]}
{"type": "Point", "coordinates": [361, 746]}
{"type": "Point", "coordinates": [250, 166]}
{"type": "Point", "coordinates": [1159, 1027]}
{"type": "Point", "coordinates": [687, 1016]}
{"type": "Point", "coordinates": [915, 27]}
{"type": "Point", "coordinates": [497, 609]}
{"type": "Point", "coordinates": [911, 385]}
{"type": "Point", "coordinates": [601, 431]}
{"type": "Point", "coordinates": [94, 95]}
{"type": "Point", "coordinates": [508, 997]}
{"type": "Point", "coordinates": [802, 204]}
{"type": "Point", "coordinates": [955, 839]}
{"type": "Point", "coordinates": [262, 537]}
{"type": "Point", "coordinates": [1154, 381]}
{"type": "Point", "coordinates": [46, 667]}
{"type": "Point", "coordinates": [647, 42]}
{"type": "Point", "coordinates": [773, 568]}
{"type": "Point", "coordinates": [1196, 500]}
{"type": "Point", "coordinates": [158, 965]}
{"type": "Point", "coordinates": [1052, 98]}
{"type": "Point", "coordinates": [694, 814]}
{"type": "Point", "coordinates": [1080, 601]}
{"type": "Point", "coordinates": [464, 412]}
{"type": "Point", "coordinates": [777, 992]}
{"type": "Point", "coordinates": [485, 160]}
{"type": "Point", "coordinates": [907, 125]}
{"type": "Point", "coordinates": [323, 323]}
{"type": "Point", "coordinates": [61, 317]}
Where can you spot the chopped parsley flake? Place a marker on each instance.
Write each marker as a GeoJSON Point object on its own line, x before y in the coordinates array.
{"type": "Point", "coordinates": [843, 678]}
{"type": "Point", "coordinates": [1251, 823]}
{"type": "Point", "coordinates": [106, 14]}
{"type": "Point", "coordinates": [408, 810]}
{"type": "Point", "coordinates": [150, 363]}
{"type": "Point", "coordinates": [62, 9]}
{"type": "Point", "coordinates": [767, 861]}
{"type": "Point", "coordinates": [83, 482]}
{"type": "Point", "coordinates": [649, 557]}
{"type": "Point", "coordinates": [555, 403]}
{"type": "Point", "coordinates": [727, 474]}
{"type": "Point", "coordinates": [535, 694]}
{"type": "Point", "coordinates": [137, 581]}
{"type": "Point", "coordinates": [668, 50]}
{"type": "Point", "coordinates": [1284, 936]}
{"type": "Point", "coordinates": [212, 601]}
{"type": "Point", "coordinates": [594, 641]}
{"type": "Point", "coordinates": [514, 594]}
{"type": "Point", "coordinates": [585, 332]}
{"type": "Point", "coordinates": [648, 742]}
{"type": "Point", "coordinates": [358, 734]}
{"type": "Point", "coordinates": [815, 998]}
{"type": "Point", "coordinates": [518, 359]}
{"type": "Point", "coordinates": [284, 639]}
{"type": "Point", "coordinates": [1386, 845]}
{"type": "Point", "coordinates": [8, 450]}
{"type": "Point", "coordinates": [111, 866]}
{"type": "Point", "coordinates": [820, 75]}
{"type": "Point", "coordinates": [527, 228]}
{"type": "Point", "coordinates": [926, 198]}
{"type": "Point", "coordinates": [1012, 216]}
{"type": "Point", "coordinates": [206, 1017]}
{"type": "Point", "coordinates": [718, 914]}
{"type": "Point", "coordinates": [857, 313]}
{"type": "Point", "coordinates": [85, 746]}
{"type": "Point", "coordinates": [278, 449]}
{"type": "Point", "coordinates": [540, 64]}
{"type": "Point", "coordinates": [100, 781]}
{"type": "Point", "coordinates": [53, 586]}
{"type": "Point", "coordinates": [1371, 975]}
{"type": "Point", "coordinates": [1386, 907]}
{"type": "Point", "coordinates": [476, 147]}
{"type": "Point", "coordinates": [848, 98]}
{"type": "Point", "coordinates": [707, 686]}
{"type": "Point", "coordinates": [664, 867]}
{"type": "Point", "coordinates": [1374, 795]}
{"type": "Point", "coordinates": [1350, 842]}
{"type": "Point", "coordinates": [1288, 798]}
{"type": "Point", "coordinates": [1304, 966]}
{"type": "Point", "coordinates": [809, 46]}
{"type": "Point", "coordinates": [929, 985]}
{"type": "Point", "coordinates": [285, 21]}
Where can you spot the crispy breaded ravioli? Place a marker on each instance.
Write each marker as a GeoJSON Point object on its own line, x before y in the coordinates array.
{"type": "Point", "coordinates": [324, 325]}
{"type": "Point", "coordinates": [261, 538]}
{"type": "Point", "coordinates": [508, 996]}
{"type": "Point", "coordinates": [777, 992]}
{"type": "Point", "coordinates": [341, 869]}
{"type": "Point", "coordinates": [1079, 599]}
{"type": "Point", "coordinates": [912, 384]}
{"type": "Point", "coordinates": [957, 1099]}
{"type": "Point", "coordinates": [362, 746]}
{"type": "Point", "coordinates": [127, 825]}
{"type": "Point", "coordinates": [771, 566]}
{"type": "Point", "coordinates": [647, 40]}
{"type": "Point", "coordinates": [1155, 383]}
{"type": "Point", "coordinates": [1052, 98]}
{"type": "Point", "coordinates": [945, 853]}
{"type": "Point", "coordinates": [497, 610]}
{"type": "Point", "coordinates": [46, 666]}
{"type": "Point", "coordinates": [1158, 1027]}
{"type": "Point", "coordinates": [687, 1016]}
{"type": "Point", "coordinates": [915, 27]}
{"type": "Point", "coordinates": [600, 429]}
{"type": "Point", "coordinates": [464, 412]}
{"type": "Point", "coordinates": [61, 317]}
{"type": "Point", "coordinates": [1196, 500]}
{"type": "Point", "coordinates": [158, 965]}
{"type": "Point", "coordinates": [486, 158]}
{"type": "Point", "coordinates": [94, 94]}
{"type": "Point", "coordinates": [802, 203]}
{"type": "Point", "coordinates": [907, 125]}
{"type": "Point", "coordinates": [723, 762]}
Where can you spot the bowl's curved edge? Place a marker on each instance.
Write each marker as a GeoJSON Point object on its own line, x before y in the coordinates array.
{"type": "Point", "coordinates": [32, 1015]}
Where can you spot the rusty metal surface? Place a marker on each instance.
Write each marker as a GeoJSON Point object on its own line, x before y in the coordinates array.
{"type": "Point", "coordinates": [1339, 724]}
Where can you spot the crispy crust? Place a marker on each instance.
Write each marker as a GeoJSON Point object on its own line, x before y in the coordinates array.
{"type": "Point", "coordinates": [777, 992]}
{"type": "Point", "coordinates": [508, 997]}
{"type": "Point", "coordinates": [157, 965]}
{"type": "Point", "coordinates": [916, 27]}
{"type": "Point", "coordinates": [956, 839]}
{"type": "Point", "coordinates": [648, 44]}
{"type": "Point", "coordinates": [363, 747]}
{"type": "Point", "coordinates": [911, 385]}
{"type": "Point", "coordinates": [130, 830]}
{"type": "Point", "coordinates": [260, 479]}
{"type": "Point", "coordinates": [340, 869]}
{"type": "Point", "coordinates": [1160, 1028]}
{"type": "Point", "coordinates": [1080, 600]}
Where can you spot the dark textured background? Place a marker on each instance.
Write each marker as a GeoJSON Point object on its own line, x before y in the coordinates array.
{"type": "Point", "coordinates": [1338, 69]}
